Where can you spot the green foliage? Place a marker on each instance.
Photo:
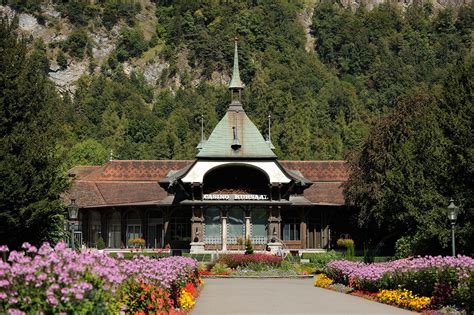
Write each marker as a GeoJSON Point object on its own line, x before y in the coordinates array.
{"type": "Point", "coordinates": [113, 11]}
{"type": "Point", "coordinates": [349, 245]}
{"type": "Point", "coordinates": [248, 247]}
{"type": "Point", "coordinates": [368, 255]}
{"type": "Point", "coordinates": [219, 268]}
{"type": "Point", "coordinates": [78, 43]}
{"type": "Point", "coordinates": [100, 243]}
{"type": "Point", "coordinates": [445, 285]}
{"type": "Point", "coordinates": [130, 255]}
{"type": "Point", "coordinates": [199, 257]}
{"type": "Point", "coordinates": [406, 172]}
{"type": "Point", "coordinates": [131, 44]}
{"type": "Point", "coordinates": [28, 6]}
{"type": "Point", "coordinates": [30, 132]}
{"type": "Point", "coordinates": [320, 260]}
{"type": "Point", "coordinates": [61, 60]}
{"type": "Point", "coordinates": [87, 152]}
{"type": "Point", "coordinates": [109, 13]}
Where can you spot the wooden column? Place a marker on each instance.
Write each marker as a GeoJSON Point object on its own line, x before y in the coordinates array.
{"type": "Point", "coordinates": [103, 228]}
{"type": "Point", "coordinates": [166, 225]}
{"type": "Point", "coordinates": [303, 228]}
{"type": "Point", "coordinates": [197, 220]}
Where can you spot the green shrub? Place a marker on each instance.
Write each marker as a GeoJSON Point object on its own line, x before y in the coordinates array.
{"type": "Point", "coordinates": [100, 243]}
{"type": "Point", "coordinates": [464, 294]}
{"type": "Point", "coordinates": [121, 9]}
{"type": "Point", "coordinates": [61, 60]}
{"type": "Point", "coordinates": [199, 257]}
{"type": "Point", "coordinates": [131, 44]}
{"type": "Point", "coordinates": [130, 255]}
{"type": "Point", "coordinates": [248, 247]}
{"type": "Point", "coordinates": [319, 260]}
{"type": "Point", "coordinates": [77, 44]}
{"type": "Point", "coordinates": [349, 245]}
{"type": "Point", "coordinates": [220, 269]}
{"type": "Point", "coordinates": [368, 255]}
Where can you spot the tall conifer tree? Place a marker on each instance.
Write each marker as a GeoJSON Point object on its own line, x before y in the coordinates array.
{"type": "Point", "coordinates": [31, 178]}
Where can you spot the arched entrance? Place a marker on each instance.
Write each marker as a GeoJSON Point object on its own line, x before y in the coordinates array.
{"type": "Point", "coordinates": [235, 179]}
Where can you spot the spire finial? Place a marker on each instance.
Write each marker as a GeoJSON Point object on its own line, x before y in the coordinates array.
{"type": "Point", "coordinates": [235, 82]}
{"type": "Point", "coordinates": [269, 136]}
{"type": "Point", "coordinates": [203, 138]}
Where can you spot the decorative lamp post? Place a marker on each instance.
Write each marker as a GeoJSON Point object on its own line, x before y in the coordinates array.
{"type": "Point", "coordinates": [453, 216]}
{"type": "Point", "coordinates": [73, 212]}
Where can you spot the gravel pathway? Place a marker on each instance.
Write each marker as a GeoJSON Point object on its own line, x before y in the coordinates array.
{"type": "Point", "coordinates": [281, 296]}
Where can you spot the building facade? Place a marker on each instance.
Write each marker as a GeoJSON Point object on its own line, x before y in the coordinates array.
{"type": "Point", "coordinates": [235, 189]}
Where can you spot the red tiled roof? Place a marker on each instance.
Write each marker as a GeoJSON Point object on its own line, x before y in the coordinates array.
{"type": "Point", "coordinates": [134, 182]}
{"type": "Point", "coordinates": [327, 178]}
{"type": "Point", "coordinates": [317, 171]}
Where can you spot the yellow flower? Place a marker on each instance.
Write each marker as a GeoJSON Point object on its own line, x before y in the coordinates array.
{"type": "Point", "coordinates": [186, 300]}
{"type": "Point", "coordinates": [322, 281]}
{"type": "Point", "coordinates": [404, 298]}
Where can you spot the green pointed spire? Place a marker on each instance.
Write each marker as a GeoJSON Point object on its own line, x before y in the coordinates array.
{"type": "Point", "coordinates": [235, 82]}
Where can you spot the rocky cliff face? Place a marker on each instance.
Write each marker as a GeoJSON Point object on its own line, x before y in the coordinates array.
{"type": "Point", "coordinates": [55, 29]}
{"type": "Point", "coordinates": [370, 4]}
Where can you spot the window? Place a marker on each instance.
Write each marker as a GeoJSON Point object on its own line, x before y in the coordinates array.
{"type": "Point", "coordinates": [114, 231]}
{"type": "Point", "coordinates": [155, 229]}
{"type": "Point", "coordinates": [94, 228]}
{"type": "Point", "coordinates": [235, 223]}
{"type": "Point", "coordinates": [291, 230]}
{"type": "Point", "coordinates": [134, 231]}
{"type": "Point", "coordinates": [180, 229]}
{"type": "Point", "coordinates": [212, 225]}
{"type": "Point", "coordinates": [259, 226]}
{"type": "Point", "coordinates": [134, 226]}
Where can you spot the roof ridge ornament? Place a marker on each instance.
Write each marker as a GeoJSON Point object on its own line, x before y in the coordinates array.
{"type": "Point", "coordinates": [236, 143]}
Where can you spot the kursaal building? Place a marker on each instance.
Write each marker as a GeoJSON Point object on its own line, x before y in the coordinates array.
{"type": "Point", "coordinates": [235, 189]}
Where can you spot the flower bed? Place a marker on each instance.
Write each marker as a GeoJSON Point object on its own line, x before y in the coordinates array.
{"type": "Point", "coordinates": [419, 283]}
{"type": "Point", "coordinates": [236, 260]}
{"type": "Point", "coordinates": [55, 280]}
{"type": "Point", "coordinates": [404, 298]}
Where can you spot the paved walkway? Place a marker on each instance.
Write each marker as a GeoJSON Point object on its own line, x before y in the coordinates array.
{"type": "Point", "coordinates": [281, 296]}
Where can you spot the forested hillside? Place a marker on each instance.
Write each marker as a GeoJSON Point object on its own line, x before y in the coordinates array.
{"type": "Point", "coordinates": [389, 88]}
{"type": "Point", "coordinates": [322, 103]}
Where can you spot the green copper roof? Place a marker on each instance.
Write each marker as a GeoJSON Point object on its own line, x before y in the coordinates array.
{"type": "Point", "coordinates": [235, 82]}
{"type": "Point", "coordinates": [252, 143]}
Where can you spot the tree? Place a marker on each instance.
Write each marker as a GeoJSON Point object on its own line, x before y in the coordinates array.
{"type": "Point", "coordinates": [30, 168]}
{"type": "Point", "coordinates": [87, 152]}
{"type": "Point", "coordinates": [401, 179]}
